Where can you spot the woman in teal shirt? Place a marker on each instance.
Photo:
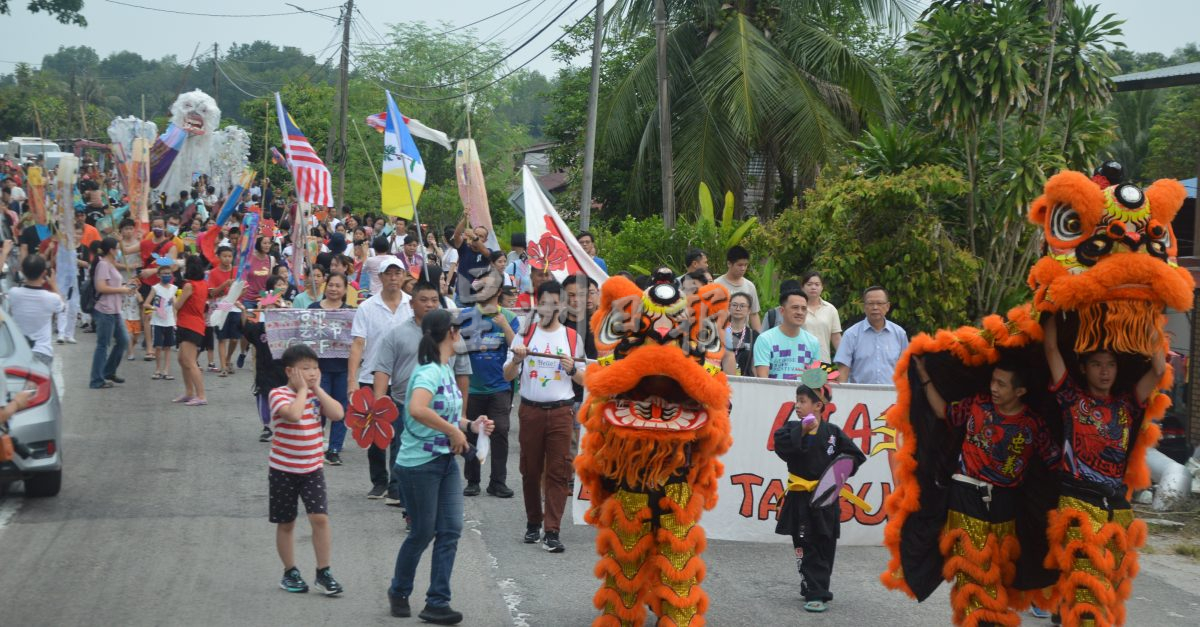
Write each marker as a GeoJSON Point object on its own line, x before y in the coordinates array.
{"type": "Point", "coordinates": [429, 476]}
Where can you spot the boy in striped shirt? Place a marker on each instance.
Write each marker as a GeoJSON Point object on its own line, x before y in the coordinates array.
{"type": "Point", "coordinates": [297, 453]}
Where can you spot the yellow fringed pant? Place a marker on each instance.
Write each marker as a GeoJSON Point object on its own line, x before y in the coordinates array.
{"type": "Point", "coordinates": [1095, 551]}
{"type": "Point", "coordinates": [644, 561]}
{"type": "Point", "coordinates": [980, 559]}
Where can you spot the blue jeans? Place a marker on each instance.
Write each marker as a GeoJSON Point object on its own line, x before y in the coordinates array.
{"type": "Point", "coordinates": [334, 384]}
{"type": "Point", "coordinates": [109, 328]}
{"type": "Point", "coordinates": [433, 496]}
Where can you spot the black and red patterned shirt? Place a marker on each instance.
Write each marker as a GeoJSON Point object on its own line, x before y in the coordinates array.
{"type": "Point", "coordinates": [1096, 432]}
{"type": "Point", "coordinates": [998, 447]}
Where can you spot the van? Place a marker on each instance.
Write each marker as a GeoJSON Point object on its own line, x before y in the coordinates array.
{"type": "Point", "coordinates": [21, 148]}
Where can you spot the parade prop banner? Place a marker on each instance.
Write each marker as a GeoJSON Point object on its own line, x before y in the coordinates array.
{"type": "Point", "coordinates": [327, 331]}
{"type": "Point", "coordinates": [471, 189]}
{"type": "Point", "coordinates": [754, 483]}
{"type": "Point", "coordinates": [37, 193]}
{"type": "Point", "coordinates": [549, 242]}
{"type": "Point", "coordinates": [403, 169]}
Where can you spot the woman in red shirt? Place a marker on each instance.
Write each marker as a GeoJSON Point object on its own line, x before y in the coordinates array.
{"type": "Point", "coordinates": [189, 317]}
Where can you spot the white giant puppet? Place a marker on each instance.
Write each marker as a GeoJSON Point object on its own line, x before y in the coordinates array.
{"type": "Point", "coordinates": [194, 118]}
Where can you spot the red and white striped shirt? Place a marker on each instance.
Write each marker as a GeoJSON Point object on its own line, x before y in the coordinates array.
{"type": "Point", "coordinates": [296, 447]}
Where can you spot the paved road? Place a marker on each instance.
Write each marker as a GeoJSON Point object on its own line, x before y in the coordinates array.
{"type": "Point", "coordinates": [162, 520]}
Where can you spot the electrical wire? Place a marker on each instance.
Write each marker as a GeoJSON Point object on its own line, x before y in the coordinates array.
{"type": "Point", "coordinates": [485, 70]}
{"type": "Point", "coordinates": [481, 88]}
{"type": "Point", "coordinates": [235, 85]}
{"type": "Point", "coordinates": [159, 10]}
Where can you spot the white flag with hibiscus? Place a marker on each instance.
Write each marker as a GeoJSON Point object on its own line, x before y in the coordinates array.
{"type": "Point", "coordinates": [549, 242]}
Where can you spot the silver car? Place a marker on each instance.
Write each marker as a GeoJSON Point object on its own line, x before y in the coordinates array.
{"type": "Point", "coordinates": [37, 429]}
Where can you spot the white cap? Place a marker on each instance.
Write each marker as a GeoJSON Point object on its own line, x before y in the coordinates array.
{"type": "Point", "coordinates": [390, 263]}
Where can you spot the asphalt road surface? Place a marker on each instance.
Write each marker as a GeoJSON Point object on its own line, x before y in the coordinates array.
{"type": "Point", "coordinates": [162, 521]}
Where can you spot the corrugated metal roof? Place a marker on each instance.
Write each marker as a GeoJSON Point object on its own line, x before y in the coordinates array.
{"type": "Point", "coordinates": [1174, 76]}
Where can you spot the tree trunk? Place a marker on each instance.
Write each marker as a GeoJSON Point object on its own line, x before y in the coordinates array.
{"type": "Point", "coordinates": [767, 207]}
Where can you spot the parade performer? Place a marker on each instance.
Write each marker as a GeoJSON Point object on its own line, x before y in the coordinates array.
{"type": "Point", "coordinates": [811, 446]}
{"type": "Point", "coordinates": [1108, 273]}
{"type": "Point", "coordinates": [980, 544]}
{"type": "Point", "coordinates": [657, 419]}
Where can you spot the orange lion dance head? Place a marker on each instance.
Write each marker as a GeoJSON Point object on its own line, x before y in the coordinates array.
{"type": "Point", "coordinates": [1110, 259]}
{"type": "Point", "coordinates": [658, 396]}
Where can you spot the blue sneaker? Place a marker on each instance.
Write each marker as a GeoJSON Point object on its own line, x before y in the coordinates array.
{"type": "Point", "coordinates": [1038, 612]}
{"type": "Point", "coordinates": [241, 360]}
{"type": "Point", "coordinates": [292, 581]}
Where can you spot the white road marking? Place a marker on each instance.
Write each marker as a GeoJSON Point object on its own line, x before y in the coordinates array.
{"type": "Point", "coordinates": [513, 598]}
{"type": "Point", "coordinates": [8, 510]}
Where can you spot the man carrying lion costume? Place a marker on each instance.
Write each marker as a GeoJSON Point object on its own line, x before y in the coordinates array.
{"type": "Point", "coordinates": [657, 418]}
{"type": "Point", "coordinates": [1092, 344]}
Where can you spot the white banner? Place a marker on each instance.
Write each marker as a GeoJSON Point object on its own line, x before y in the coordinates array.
{"type": "Point", "coordinates": [753, 483]}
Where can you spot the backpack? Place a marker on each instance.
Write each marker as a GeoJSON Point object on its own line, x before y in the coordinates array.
{"type": "Point", "coordinates": [88, 296]}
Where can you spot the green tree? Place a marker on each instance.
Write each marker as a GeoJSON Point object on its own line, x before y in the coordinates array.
{"type": "Point", "coordinates": [983, 66]}
{"type": "Point", "coordinates": [750, 79]}
{"type": "Point", "coordinates": [882, 230]}
{"type": "Point", "coordinates": [65, 11]}
{"type": "Point", "coordinates": [1174, 142]}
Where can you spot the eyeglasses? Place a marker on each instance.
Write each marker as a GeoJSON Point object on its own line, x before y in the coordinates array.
{"type": "Point", "coordinates": [876, 304]}
{"type": "Point", "coordinates": [739, 306]}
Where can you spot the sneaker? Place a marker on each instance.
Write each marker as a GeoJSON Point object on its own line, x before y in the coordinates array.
{"type": "Point", "coordinates": [440, 615]}
{"type": "Point", "coordinates": [400, 608]}
{"type": "Point", "coordinates": [326, 584]}
{"type": "Point", "coordinates": [292, 581]}
{"type": "Point", "coordinates": [393, 500]}
{"type": "Point", "coordinates": [116, 379]}
{"type": "Point", "coordinates": [472, 489]}
{"type": "Point", "coordinates": [265, 436]}
{"type": "Point", "coordinates": [333, 459]}
{"type": "Point", "coordinates": [213, 368]}
{"type": "Point", "coordinates": [377, 492]}
{"type": "Point", "coordinates": [60, 341]}
{"type": "Point", "coordinates": [533, 533]}
{"type": "Point", "coordinates": [241, 360]}
{"type": "Point", "coordinates": [71, 340]}
{"type": "Point", "coordinates": [500, 490]}
{"type": "Point", "coordinates": [551, 543]}
{"type": "Point", "coordinates": [1038, 612]}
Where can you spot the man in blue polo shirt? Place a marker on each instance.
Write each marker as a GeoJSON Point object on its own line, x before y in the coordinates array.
{"type": "Point", "coordinates": [870, 349]}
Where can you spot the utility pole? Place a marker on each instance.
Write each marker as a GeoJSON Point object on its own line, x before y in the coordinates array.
{"type": "Point", "coordinates": [339, 122]}
{"type": "Point", "coordinates": [589, 142]}
{"type": "Point", "coordinates": [664, 115]}
{"type": "Point", "coordinates": [216, 89]}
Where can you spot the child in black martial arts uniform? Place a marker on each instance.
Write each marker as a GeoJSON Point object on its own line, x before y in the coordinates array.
{"type": "Point", "coordinates": [808, 445]}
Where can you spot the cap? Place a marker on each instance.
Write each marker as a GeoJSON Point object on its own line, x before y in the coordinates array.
{"type": "Point", "coordinates": [391, 262]}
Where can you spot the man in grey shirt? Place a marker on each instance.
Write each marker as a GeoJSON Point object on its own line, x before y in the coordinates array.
{"type": "Point", "coordinates": [397, 356]}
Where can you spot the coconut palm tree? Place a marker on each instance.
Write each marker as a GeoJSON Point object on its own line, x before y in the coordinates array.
{"type": "Point", "coordinates": [750, 79]}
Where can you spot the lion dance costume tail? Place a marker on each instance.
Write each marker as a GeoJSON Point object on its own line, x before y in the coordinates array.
{"type": "Point", "coordinates": [657, 420]}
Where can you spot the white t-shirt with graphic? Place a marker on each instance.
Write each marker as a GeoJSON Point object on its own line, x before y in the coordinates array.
{"type": "Point", "coordinates": [543, 379]}
{"type": "Point", "coordinates": [162, 305]}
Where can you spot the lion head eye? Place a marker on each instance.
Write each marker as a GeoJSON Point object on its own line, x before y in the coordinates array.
{"type": "Point", "coordinates": [1065, 223]}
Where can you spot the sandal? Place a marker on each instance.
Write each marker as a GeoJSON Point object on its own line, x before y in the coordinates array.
{"type": "Point", "coordinates": [167, 377]}
{"type": "Point", "coordinates": [184, 399]}
{"type": "Point", "coordinates": [157, 376]}
{"type": "Point", "coordinates": [815, 606]}
{"type": "Point", "coordinates": [196, 402]}
{"type": "Point", "coordinates": [223, 374]}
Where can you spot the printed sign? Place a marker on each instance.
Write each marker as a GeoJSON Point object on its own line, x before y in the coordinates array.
{"type": "Point", "coordinates": [327, 331]}
{"type": "Point", "coordinates": [752, 488]}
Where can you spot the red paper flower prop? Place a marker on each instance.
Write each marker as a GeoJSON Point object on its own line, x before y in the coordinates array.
{"type": "Point", "coordinates": [370, 419]}
{"type": "Point", "coordinates": [548, 253]}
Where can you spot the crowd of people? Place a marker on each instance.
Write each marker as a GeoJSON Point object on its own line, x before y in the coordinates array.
{"type": "Point", "coordinates": [449, 328]}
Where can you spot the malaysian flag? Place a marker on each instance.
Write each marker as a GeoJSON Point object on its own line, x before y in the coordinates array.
{"type": "Point", "coordinates": [313, 183]}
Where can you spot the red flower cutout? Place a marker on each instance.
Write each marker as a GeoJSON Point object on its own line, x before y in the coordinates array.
{"type": "Point", "coordinates": [548, 253]}
{"type": "Point", "coordinates": [370, 419]}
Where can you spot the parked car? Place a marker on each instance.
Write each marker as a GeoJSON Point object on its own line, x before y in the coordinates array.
{"type": "Point", "coordinates": [37, 429]}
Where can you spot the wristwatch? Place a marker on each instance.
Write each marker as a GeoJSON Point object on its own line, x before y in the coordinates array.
{"type": "Point", "coordinates": [572, 372]}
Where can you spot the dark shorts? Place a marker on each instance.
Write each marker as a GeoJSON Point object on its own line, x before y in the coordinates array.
{"type": "Point", "coordinates": [164, 337]}
{"type": "Point", "coordinates": [286, 487]}
{"type": "Point", "coordinates": [144, 290]}
{"type": "Point", "coordinates": [210, 335]}
{"type": "Point", "coordinates": [232, 329]}
{"type": "Point", "coordinates": [188, 335]}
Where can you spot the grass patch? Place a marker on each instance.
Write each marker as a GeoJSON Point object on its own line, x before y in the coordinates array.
{"type": "Point", "coordinates": [1188, 550]}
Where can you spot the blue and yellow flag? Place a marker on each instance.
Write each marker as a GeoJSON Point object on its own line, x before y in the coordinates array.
{"type": "Point", "coordinates": [403, 169]}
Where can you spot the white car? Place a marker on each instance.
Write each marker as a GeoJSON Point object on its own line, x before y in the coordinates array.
{"type": "Point", "coordinates": [37, 429]}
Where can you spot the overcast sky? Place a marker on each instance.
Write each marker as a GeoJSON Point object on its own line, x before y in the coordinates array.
{"type": "Point", "coordinates": [1151, 25]}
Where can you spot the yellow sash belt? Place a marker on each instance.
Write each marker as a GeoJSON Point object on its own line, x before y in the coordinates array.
{"type": "Point", "coordinates": [800, 484]}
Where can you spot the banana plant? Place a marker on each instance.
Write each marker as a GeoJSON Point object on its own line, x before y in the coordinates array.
{"type": "Point", "coordinates": [730, 232]}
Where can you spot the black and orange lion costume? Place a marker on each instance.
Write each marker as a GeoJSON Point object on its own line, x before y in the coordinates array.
{"type": "Point", "coordinates": [1108, 272]}
{"type": "Point", "coordinates": [657, 419]}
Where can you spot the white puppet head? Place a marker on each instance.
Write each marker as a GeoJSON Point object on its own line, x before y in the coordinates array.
{"type": "Point", "coordinates": [196, 112]}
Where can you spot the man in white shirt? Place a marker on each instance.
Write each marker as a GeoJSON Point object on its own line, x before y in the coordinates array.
{"type": "Point", "coordinates": [548, 358]}
{"type": "Point", "coordinates": [33, 306]}
{"type": "Point", "coordinates": [372, 320]}
{"type": "Point", "coordinates": [734, 280]}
